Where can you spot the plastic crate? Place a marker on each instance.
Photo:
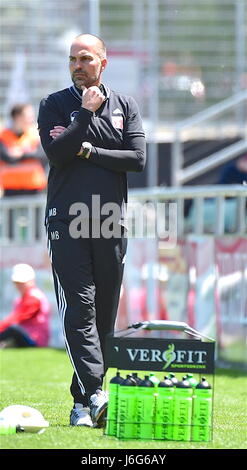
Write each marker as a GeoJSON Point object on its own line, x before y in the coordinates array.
{"type": "Point", "coordinates": [136, 412]}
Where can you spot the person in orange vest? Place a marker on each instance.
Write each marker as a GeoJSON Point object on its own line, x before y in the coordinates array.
{"type": "Point", "coordinates": [21, 156]}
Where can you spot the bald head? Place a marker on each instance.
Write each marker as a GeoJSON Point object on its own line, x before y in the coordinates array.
{"type": "Point", "coordinates": [87, 60]}
{"type": "Point", "coordinates": [92, 41]}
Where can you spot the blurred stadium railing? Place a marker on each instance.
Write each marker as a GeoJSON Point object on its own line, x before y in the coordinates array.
{"type": "Point", "coordinates": [187, 129]}
{"type": "Point", "coordinates": [21, 217]}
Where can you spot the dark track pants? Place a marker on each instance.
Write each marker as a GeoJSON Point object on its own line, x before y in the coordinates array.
{"type": "Point", "coordinates": [87, 276]}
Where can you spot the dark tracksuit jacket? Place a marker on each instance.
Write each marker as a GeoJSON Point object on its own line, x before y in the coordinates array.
{"type": "Point", "coordinates": [88, 271]}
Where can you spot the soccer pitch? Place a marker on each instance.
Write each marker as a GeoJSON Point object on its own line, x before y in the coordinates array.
{"type": "Point", "coordinates": [41, 378]}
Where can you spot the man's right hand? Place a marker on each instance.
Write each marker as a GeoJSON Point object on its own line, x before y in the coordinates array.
{"type": "Point", "coordinates": [92, 98]}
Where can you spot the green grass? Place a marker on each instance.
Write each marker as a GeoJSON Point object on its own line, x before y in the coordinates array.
{"type": "Point", "coordinates": [41, 378]}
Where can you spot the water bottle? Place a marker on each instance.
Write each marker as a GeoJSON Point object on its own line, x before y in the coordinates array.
{"type": "Point", "coordinates": [154, 379]}
{"type": "Point", "coordinates": [172, 377]}
{"type": "Point", "coordinates": [145, 409]}
{"type": "Point", "coordinates": [127, 418]}
{"type": "Point", "coordinates": [137, 379]}
{"type": "Point", "coordinates": [164, 410]}
{"type": "Point", "coordinates": [112, 410]}
{"type": "Point", "coordinates": [202, 412]}
{"type": "Point", "coordinates": [7, 427]}
{"type": "Point", "coordinates": [182, 411]}
{"type": "Point", "coordinates": [191, 379]}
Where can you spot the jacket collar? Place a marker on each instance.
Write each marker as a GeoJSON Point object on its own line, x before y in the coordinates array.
{"type": "Point", "coordinates": [77, 93]}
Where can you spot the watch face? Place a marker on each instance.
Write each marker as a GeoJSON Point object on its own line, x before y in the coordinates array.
{"type": "Point", "coordinates": [86, 145]}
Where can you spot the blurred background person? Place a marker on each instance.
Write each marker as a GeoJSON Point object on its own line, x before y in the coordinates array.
{"type": "Point", "coordinates": [28, 323]}
{"type": "Point", "coordinates": [22, 159]}
{"type": "Point", "coordinates": [235, 171]}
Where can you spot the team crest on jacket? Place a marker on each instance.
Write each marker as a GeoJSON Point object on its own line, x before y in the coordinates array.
{"type": "Point", "coordinates": [117, 119]}
{"type": "Point", "coordinates": [73, 115]}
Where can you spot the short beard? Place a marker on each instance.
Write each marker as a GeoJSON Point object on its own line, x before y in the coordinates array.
{"type": "Point", "coordinates": [87, 82]}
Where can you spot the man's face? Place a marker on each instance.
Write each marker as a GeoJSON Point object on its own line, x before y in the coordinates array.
{"type": "Point", "coordinates": [85, 64]}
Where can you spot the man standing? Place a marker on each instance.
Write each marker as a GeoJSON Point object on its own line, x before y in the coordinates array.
{"type": "Point", "coordinates": [92, 136]}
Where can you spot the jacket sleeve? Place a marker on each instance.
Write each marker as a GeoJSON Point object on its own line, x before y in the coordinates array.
{"type": "Point", "coordinates": [62, 150]}
{"type": "Point", "coordinates": [133, 155]}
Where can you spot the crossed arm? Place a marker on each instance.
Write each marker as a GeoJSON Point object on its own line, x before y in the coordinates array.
{"type": "Point", "coordinates": [62, 144]}
{"type": "Point", "coordinates": [117, 160]}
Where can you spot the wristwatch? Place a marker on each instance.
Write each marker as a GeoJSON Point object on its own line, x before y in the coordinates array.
{"type": "Point", "coordinates": [85, 150]}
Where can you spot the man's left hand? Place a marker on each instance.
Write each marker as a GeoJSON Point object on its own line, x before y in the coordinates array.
{"type": "Point", "coordinates": [57, 131]}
